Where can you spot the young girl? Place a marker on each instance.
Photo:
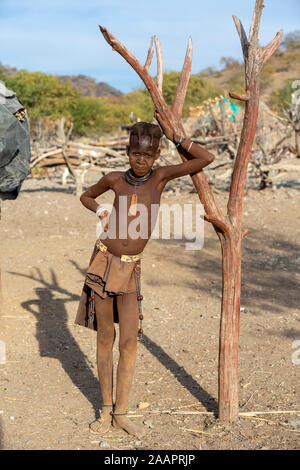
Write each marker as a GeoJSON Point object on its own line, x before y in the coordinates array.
{"type": "Point", "coordinates": [111, 291]}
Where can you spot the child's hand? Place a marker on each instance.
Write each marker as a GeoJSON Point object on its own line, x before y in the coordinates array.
{"type": "Point", "coordinates": [104, 214]}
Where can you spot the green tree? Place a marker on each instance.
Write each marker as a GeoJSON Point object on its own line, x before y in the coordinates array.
{"type": "Point", "coordinates": [291, 40]}
{"type": "Point", "coordinates": [88, 115]}
{"type": "Point", "coordinates": [281, 98]}
{"type": "Point", "coordinates": [199, 89]}
{"type": "Point", "coordinates": [44, 96]}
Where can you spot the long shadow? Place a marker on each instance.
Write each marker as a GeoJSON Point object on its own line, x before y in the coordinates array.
{"type": "Point", "coordinates": [179, 372]}
{"type": "Point", "coordinates": [55, 339]}
{"type": "Point", "coordinates": [67, 190]}
{"type": "Point", "coordinates": [268, 270]}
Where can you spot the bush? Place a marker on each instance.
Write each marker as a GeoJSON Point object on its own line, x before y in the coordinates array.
{"type": "Point", "coordinates": [94, 116]}
{"type": "Point", "coordinates": [199, 89]}
{"type": "Point", "coordinates": [88, 115]}
{"type": "Point", "coordinates": [281, 99]}
{"type": "Point", "coordinates": [44, 96]}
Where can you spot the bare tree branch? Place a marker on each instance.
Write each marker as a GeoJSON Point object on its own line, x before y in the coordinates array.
{"type": "Point", "coordinates": [267, 51]}
{"type": "Point", "coordinates": [183, 81]}
{"type": "Point", "coordinates": [149, 56]}
{"type": "Point", "coordinates": [236, 96]}
{"type": "Point", "coordinates": [160, 70]}
{"type": "Point", "coordinates": [243, 37]}
{"type": "Point", "coordinates": [255, 25]}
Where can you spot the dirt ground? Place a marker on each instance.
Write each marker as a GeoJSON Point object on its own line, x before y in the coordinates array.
{"type": "Point", "coordinates": [49, 388]}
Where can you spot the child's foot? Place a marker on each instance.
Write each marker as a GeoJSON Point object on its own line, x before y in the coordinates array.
{"type": "Point", "coordinates": [127, 425]}
{"type": "Point", "coordinates": [102, 424]}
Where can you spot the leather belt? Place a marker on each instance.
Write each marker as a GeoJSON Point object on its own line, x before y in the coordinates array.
{"type": "Point", "coordinates": [125, 258]}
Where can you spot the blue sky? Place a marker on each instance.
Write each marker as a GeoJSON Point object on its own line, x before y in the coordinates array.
{"type": "Point", "coordinates": [62, 36]}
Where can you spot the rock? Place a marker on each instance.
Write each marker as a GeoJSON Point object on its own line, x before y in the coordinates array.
{"type": "Point", "coordinates": [294, 422]}
{"type": "Point", "coordinates": [104, 444]}
{"type": "Point", "coordinates": [143, 405]}
{"type": "Point", "coordinates": [148, 423]}
{"type": "Point", "coordinates": [245, 310]}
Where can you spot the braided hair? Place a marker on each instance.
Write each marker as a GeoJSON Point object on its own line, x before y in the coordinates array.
{"type": "Point", "coordinates": [149, 134]}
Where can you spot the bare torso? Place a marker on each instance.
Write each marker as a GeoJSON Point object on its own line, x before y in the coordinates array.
{"type": "Point", "coordinates": [118, 238]}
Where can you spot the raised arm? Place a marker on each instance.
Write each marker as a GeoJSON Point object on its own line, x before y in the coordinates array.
{"type": "Point", "coordinates": [197, 157]}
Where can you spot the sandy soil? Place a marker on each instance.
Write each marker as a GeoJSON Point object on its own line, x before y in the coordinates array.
{"type": "Point", "coordinates": [49, 388]}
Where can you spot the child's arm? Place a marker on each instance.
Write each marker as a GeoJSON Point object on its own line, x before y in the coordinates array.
{"type": "Point", "coordinates": [197, 156]}
{"type": "Point", "coordinates": [88, 197]}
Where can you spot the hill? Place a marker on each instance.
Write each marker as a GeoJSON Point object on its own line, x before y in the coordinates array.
{"type": "Point", "coordinates": [86, 85]}
{"type": "Point", "coordinates": [89, 87]}
{"type": "Point", "coordinates": [283, 65]}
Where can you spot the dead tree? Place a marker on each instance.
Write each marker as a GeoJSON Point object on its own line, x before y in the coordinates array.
{"type": "Point", "coordinates": [270, 147]}
{"type": "Point", "coordinates": [227, 226]}
{"type": "Point", "coordinates": [76, 173]}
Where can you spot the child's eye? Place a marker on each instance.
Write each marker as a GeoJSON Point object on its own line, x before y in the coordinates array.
{"type": "Point", "coordinates": [137, 154]}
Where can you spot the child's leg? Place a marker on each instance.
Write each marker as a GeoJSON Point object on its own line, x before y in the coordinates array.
{"type": "Point", "coordinates": [128, 323]}
{"type": "Point", "coordinates": [128, 327]}
{"type": "Point", "coordinates": [105, 340]}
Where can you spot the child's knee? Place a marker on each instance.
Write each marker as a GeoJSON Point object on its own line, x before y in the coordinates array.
{"type": "Point", "coordinates": [128, 345]}
{"type": "Point", "coordinates": [106, 338]}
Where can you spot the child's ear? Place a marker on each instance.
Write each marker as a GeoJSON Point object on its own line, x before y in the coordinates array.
{"type": "Point", "coordinates": [157, 154]}
{"type": "Point", "coordinates": [127, 149]}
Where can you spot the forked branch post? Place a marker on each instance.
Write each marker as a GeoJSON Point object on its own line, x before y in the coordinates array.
{"type": "Point", "coordinates": [227, 226]}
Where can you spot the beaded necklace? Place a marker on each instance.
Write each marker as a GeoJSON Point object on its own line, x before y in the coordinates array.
{"type": "Point", "coordinates": [135, 180]}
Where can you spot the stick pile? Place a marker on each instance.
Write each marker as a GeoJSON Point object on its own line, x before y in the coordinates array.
{"type": "Point", "coordinates": [95, 154]}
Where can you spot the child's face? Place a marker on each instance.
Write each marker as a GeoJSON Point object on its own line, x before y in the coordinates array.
{"type": "Point", "coordinates": [142, 157]}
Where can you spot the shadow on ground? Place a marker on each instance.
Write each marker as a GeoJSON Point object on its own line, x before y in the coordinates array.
{"type": "Point", "coordinates": [179, 372]}
{"type": "Point", "coordinates": [263, 252]}
{"type": "Point", "coordinates": [56, 341]}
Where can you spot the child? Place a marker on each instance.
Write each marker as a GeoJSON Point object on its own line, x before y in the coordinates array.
{"type": "Point", "coordinates": [111, 292]}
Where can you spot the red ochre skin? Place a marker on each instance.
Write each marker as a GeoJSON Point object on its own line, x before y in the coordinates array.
{"type": "Point", "coordinates": [141, 159]}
